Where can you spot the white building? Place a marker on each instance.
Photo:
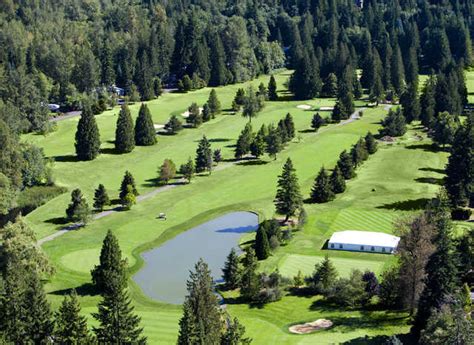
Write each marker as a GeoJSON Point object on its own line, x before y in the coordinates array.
{"type": "Point", "coordinates": [363, 241]}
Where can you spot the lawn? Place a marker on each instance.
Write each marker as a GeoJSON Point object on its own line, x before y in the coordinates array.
{"type": "Point", "coordinates": [394, 181]}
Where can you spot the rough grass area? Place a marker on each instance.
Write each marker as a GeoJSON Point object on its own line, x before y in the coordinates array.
{"type": "Point", "coordinates": [404, 175]}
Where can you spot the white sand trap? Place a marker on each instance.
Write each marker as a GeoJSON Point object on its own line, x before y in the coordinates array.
{"type": "Point", "coordinates": [326, 108]}
{"type": "Point", "coordinates": [304, 106]}
{"type": "Point", "coordinates": [157, 126]}
{"type": "Point", "coordinates": [310, 327]}
{"type": "Point", "coordinates": [186, 113]}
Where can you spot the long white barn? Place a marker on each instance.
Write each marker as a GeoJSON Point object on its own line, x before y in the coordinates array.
{"type": "Point", "coordinates": [363, 241]}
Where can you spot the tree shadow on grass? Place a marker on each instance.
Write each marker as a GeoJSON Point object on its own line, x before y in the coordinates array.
{"type": "Point", "coordinates": [252, 162]}
{"type": "Point", "coordinates": [219, 140]}
{"type": "Point", "coordinates": [426, 147]}
{"type": "Point", "coordinates": [57, 221]}
{"type": "Point", "coordinates": [367, 320]}
{"type": "Point", "coordinates": [308, 130]}
{"type": "Point", "coordinates": [406, 339]}
{"type": "Point", "coordinates": [407, 205]}
{"type": "Point", "coordinates": [86, 289]}
{"type": "Point", "coordinates": [152, 182]}
{"type": "Point", "coordinates": [439, 171]}
{"type": "Point", "coordinates": [109, 151]}
{"type": "Point", "coordinates": [430, 180]}
{"type": "Point", "coordinates": [66, 158]}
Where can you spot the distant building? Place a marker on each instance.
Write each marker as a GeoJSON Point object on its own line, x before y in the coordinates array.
{"type": "Point", "coordinates": [363, 241]}
{"type": "Point", "coordinates": [117, 90]}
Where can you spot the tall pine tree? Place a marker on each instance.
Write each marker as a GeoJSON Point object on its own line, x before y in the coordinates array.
{"type": "Point", "coordinates": [87, 136]}
{"type": "Point", "coordinates": [145, 134]}
{"type": "Point", "coordinates": [288, 197]}
{"type": "Point", "coordinates": [124, 132]}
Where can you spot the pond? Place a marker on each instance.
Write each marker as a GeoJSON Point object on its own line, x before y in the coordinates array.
{"type": "Point", "coordinates": [166, 269]}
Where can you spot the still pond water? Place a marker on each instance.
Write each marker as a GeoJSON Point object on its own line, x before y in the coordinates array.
{"type": "Point", "coordinates": [166, 269]}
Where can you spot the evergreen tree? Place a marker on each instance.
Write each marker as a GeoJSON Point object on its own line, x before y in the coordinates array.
{"type": "Point", "coordinates": [338, 183]}
{"type": "Point", "coordinates": [346, 165]}
{"type": "Point", "coordinates": [128, 180]}
{"type": "Point", "coordinates": [101, 198]}
{"type": "Point", "coordinates": [317, 121]}
{"type": "Point", "coordinates": [206, 113]}
{"type": "Point", "coordinates": [124, 132]}
{"type": "Point", "coordinates": [428, 103]}
{"type": "Point", "coordinates": [231, 271]}
{"type": "Point", "coordinates": [107, 67]}
{"type": "Point", "coordinates": [376, 89]}
{"type": "Point", "coordinates": [290, 126]}
{"type": "Point", "coordinates": [78, 210]}
{"type": "Point", "coordinates": [250, 104]}
{"type": "Point", "coordinates": [410, 103]}
{"type": "Point", "coordinates": [110, 271]}
{"type": "Point", "coordinates": [157, 87]}
{"type": "Point", "coordinates": [441, 279]}
{"type": "Point", "coordinates": [370, 143]}
{"type": "Point", "coordinates": [239, 99]}
{"type": "Point", "coordinates": [444, 128]}
{"type": "Point", "coordinates": [234, 334]}
{"type": "Point", "coordinates": [195, 115]}
{"type": "Point", "coordinates": [249, 284]}
{"type": "Point", "coordinates": [359, 153]}
{"type": "Point", "coordinates": [244, 141]}
{"type": "Point", "coordinates": [288, 197]}
{"type": "Point", "coordinates": [128, 198]}
{"type": "Point", "coordinates": [217, 156]}
{"type": "Point", "coordinates": [204, 156]}
{"type": "Point", "coordinates": [257, 147]}
{"type": "Point", "coordinates": [273, 141]}
{"type": "Point", "coordinates": [173, 125]}
{"type": "Point", "coordinates": [324, 276]}
{"type": "Point", "coordinates": [145, 134]}
{"type": "Point", "coordinates": [321, 191]}
{"type": "Point", "coordinates": [38, 316]}
{"type": "Point", "coordinates": [117, 322]}
{"type": "Point", "coordinates": [201, 322]}
{"type": "Point", "coordinates": [330, 86]}
{"type": "Point", "coordinates": [459, 170]}
{"type": "Point", "coordinates": [282, 131]}
{"type": "Point", "coordinates": [219, 72]}
{"type": "Point", "coordinates": [262, 247]}
{"type": "Point", "coordinates": [214, 104]}
{"type": "Point", "coordinates": [272, 89]}
{"type": "Point", "coordinates": [187, 170]}
{"type": "Point", "coordinates": [394, 124]}
{"type": "Point", "coordinates": [305, 82]}
{"type": "Point", "coordinates": [87, 136]}
{"type": "Point", "coordinates": [397, 70]}
{"type": "Point", "coordinates": [71, 327]}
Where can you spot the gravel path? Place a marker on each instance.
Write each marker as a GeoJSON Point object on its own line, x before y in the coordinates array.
{"type": "Point", "coordinates": [140, 198]}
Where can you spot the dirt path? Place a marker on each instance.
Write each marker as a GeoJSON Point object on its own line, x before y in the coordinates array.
{"type": "Point", "coordinates": [140, 198]}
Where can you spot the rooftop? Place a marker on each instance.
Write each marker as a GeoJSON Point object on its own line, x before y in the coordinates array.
{"type": "Point", "coordinates": [368, 238]}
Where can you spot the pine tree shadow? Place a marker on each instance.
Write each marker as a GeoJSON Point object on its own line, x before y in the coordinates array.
{"type": "Point", "coordinates": [66, 158]}
{"type": "Point", "coordinates": [152, 182]}
{"type": "Point", "coordinates": [218, 140]}
{"type": "Point", "coordinates": [57, 221]}
{"type": "Point", "coordinates": [252, 162]}
{"type": "Point", "coordinates": [426, 147]}
{"type": "Point", "coordinates": [109, 151]}
{"type": "Point", "coordinates": [309, 130]}
{"type": "Point", "coordinates": [430, 180]}
{"type": "Point", "coordinates": [86, 289]}
{"type": "Point", "coordinates": [407, 205]}
{"type": "Point", "coordinates": [439, 171]}
{"type": "Point", "coordinates": [380, 340]}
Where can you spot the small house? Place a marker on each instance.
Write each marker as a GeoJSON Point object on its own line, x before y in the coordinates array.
{"type": "Point", "coordinates": [363, 241]}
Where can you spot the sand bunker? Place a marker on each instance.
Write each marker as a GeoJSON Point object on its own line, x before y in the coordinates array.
{"type": "Point", "coordinates": [326, 108]}
{"type": "Point", "coordinates": [186, 113]}
{"type": "Point", "coordinates": [310, 327]}
{"type": "Point", "coordinates": [304, 106]}
{"type": "Point", "coordinates": [157, 126]}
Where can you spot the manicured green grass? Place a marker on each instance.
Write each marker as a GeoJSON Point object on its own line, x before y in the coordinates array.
{"type": "Point", "coordinates": [406, 170]}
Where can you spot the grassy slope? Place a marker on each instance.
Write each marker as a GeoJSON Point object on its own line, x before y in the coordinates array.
{"type": "Point", "coordinates": [235, 188]}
